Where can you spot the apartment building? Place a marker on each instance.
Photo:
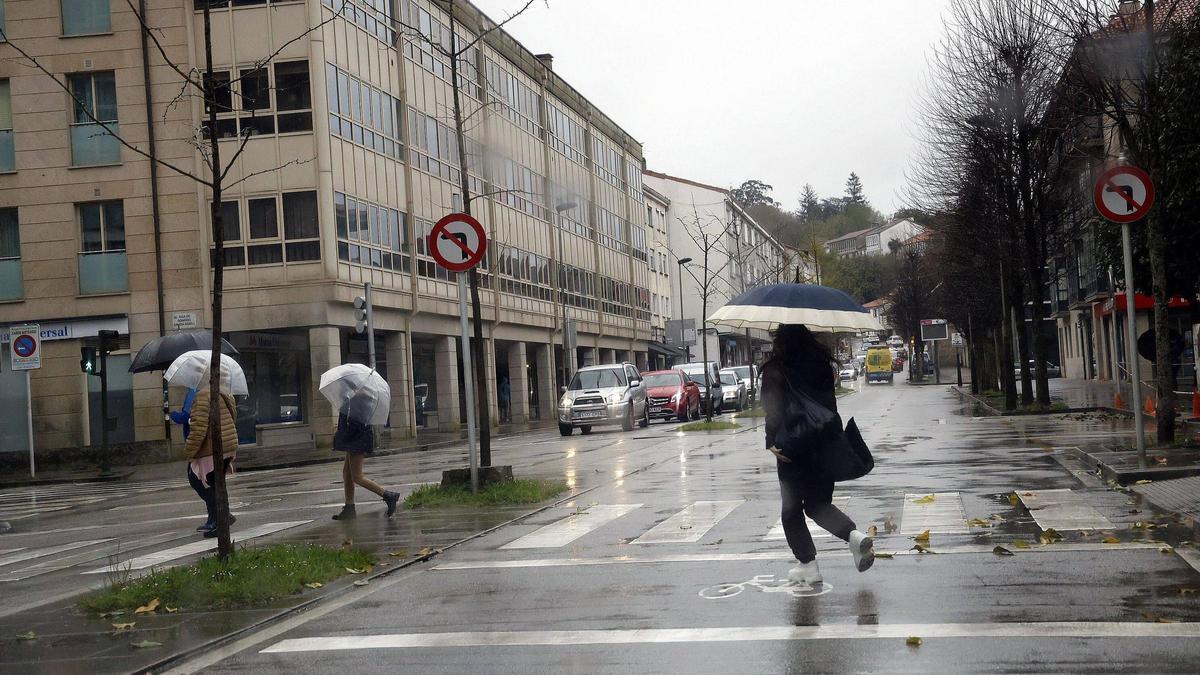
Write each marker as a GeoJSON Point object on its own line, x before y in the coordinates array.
{"type": "Point", "coordinates": [741, 255]}
{"type": "Point", "coordinates": [344, 111]}
{"type": "Point", "coordinates": [664, 304]}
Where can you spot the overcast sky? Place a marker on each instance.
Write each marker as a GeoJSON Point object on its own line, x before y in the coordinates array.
{"type": "Point", "coordinates": [785, 91]}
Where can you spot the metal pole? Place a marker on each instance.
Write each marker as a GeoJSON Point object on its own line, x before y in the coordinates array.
{"type": "Point", "coordinates": [29, 423]}
{"type": "Point", "coordinates": [468, 380]}
{"type": "Point", "coordinates": [370, 325]}
{"type": "Point", "coordinates": [104, 464]}
{"type": "Point", "coordinates": [687, 350]}
{"type": "Point", "coordinates": [562, 301]}
{"type": "Point", "coordinates": [958, 363]}
{"type": "Point", "coordinates": [1131, 345]}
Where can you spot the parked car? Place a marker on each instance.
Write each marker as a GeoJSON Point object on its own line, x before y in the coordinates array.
{"type": "Point", "coordinates": [895, 342]}
{"type": "Point", "coordinates": [710, 392]}
{"type": "Point", "coordinates": [1051, 369]}
{"type": "Point", "coordinates": [751, 383]}
{"type": "Point", "coordinates": [601, 396]}
{"type": "Point", "coordinates": [848, 372]}
{"type": "Point", "coordinates": [671, 395]}
{"type": "Point", "coordinates": [733, 391]}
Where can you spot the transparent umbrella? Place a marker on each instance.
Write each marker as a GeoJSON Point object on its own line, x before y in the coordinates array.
{"type": "Point", "coordinates": [358, 391]}
{"type": "Point", "coordinates": [190, 370]}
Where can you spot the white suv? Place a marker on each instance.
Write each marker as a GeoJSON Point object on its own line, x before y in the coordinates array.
{"type": "Point", "coordinates": [603, 395]}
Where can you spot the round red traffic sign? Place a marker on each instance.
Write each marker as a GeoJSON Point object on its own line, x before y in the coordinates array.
{"type": "Point", "coordinates": [457, 242]}
{"type": "Point", "coordinates": [1124, 194]}
{"type": "Point", "coordinates": [24, 345]}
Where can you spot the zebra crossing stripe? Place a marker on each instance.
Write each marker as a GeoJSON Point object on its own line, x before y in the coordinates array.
{"type": "Point", "coordinates": [1062, 510]}
{"type": "Point", "coordinates": [690, 524]}
{"type": "Point", "coordinates": [161, 558]}
{"type": "Point", "coordinates": [939, 512]}
{"type": "Point", "coordinates": [817, 532]}
{"type": "Point", "coordinates": [564, 531]}
{"type": "Point", "coordinates": [54, 564]}
{"type": "Point", "coordinates": [29, 554]}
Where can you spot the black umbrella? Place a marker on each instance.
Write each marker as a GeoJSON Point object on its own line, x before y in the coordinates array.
{"type": "Point", "coordinates": [159, 353]}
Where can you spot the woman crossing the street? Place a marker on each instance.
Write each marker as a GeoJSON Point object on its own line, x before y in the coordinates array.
{"type": "Point", "coordinates": [357, 440]}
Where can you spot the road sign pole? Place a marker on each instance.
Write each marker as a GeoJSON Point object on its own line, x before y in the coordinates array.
{"type": "Point", "coordinates": [29, 423]}
{"type": "Point", "coordinates": [468, 380]}
{"type": "Point", "coordinates": [370, 324]}
{"type": "Point", "coordinates": [1131, 345]}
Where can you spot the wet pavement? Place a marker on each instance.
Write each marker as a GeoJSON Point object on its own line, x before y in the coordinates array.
{"type": "Point", "coordinates": [669, 559]}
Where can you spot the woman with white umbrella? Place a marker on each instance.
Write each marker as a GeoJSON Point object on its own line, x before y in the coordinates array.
{"type": "Point", "coordinates": [363, 399]}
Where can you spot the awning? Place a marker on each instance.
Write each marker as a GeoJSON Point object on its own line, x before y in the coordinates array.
{"type": "Point", "coordinates": [1141, 302]}
{"type": "Point", "coordinates": [664, 350]}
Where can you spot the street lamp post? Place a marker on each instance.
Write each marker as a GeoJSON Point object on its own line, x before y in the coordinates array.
{"type": "Point", "coordinates": [687, 352]}
{"type": "Point", "coordinates": [562, 295]}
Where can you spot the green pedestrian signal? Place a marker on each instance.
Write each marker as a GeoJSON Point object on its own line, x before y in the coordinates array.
{"type": "Point", "coordinates": [89, 361]}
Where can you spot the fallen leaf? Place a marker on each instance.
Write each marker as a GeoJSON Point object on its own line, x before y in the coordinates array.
{"type": "Point", "coordinates": [1143, 482]}
{"type": "Point", "coordinates": [923, 537]}
{"type": "Point", "coordinates": [425, 551]}
{"type": "Point", "coordinates": [361, 582]}
{"type": "Point", "coordinates": [913, 641]}
{"type": "Point", "coordinates": [145, 644]}
{"type": "Point", "coordinates": [1139, 525]}
{"type": "Point", "coordinates": [1000, 550]}
{"type": "Point", "coordinates": [1050, 536]}
{"type": "Point", "coordinates": [927, 499]}
{"type": "Point", "coordinates": [1187, 591]}
{"type": "Point", "coordinates": [714, 543]}
{"type": "Point", "coordinates": [873, 531]}
{"type": "Point", "coordinates": [27, 636]}
{"type": "Point", "coordinates": [1165, 549]}
{"type": "Point", "coordinates": [346, 543]}
{"type": "Point", "coordinates": [1160, 460]}
{"type": "Point", "coordinates": [314, 584]}
{"type": "Point", "coordinates": [402, 553]}
{"type": "Point", "coordinates": [124, 626]}
{"type": "Point", "coordinates": [1027, 494]}
{"type": "Point", "coordinates": [1163, 619]}
{"type": "Point", "coordinates": [921, 549]}
{"type": "Point", "coordinates": [889, 525]}
{"type": "Point", "coordinates": [1135, 511]}
{"type": "Point", "coordinates": [171, 610]}
{"type": "Point", "coordinates": [978, 522]}
{"type": "Point", "coordinates": [1020, 543]}
{"type": "Point", "coordinates": [1111, 540]}
{"type": "Point", "coordinates": [883, 555]}
{"type": "Point", "coordinates": [115, 612]}
{"type": "Point", "coordinates": [351, 570]}
{"type": "Point", "coordinates": [1014, 499]}
{"type": "Point", "coordinates": [147, 608]}
{"type": "Point", "coordinates": [685, 527]}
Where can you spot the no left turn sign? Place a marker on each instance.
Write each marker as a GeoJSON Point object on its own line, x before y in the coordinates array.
{"type": "Point", "coordinates": [457, 242]}
{"type": "Point", "coordinates": [1124, 194]}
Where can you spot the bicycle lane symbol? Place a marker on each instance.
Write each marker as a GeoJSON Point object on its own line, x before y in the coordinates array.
{"type": "Point", "coordinates": [767, 583]}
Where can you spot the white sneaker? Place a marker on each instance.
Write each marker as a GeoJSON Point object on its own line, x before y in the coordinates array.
{"type": "Point", "coordinates": [805, 573]}
{"type": "Point", "coordinates": [862, 549]}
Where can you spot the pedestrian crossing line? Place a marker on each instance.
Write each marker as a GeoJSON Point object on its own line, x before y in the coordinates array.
{"type": "Point", "coordinates": [625, 636]}
{"type": "Point", "coordinates": [1062, 510]}
{"type": "Point", "coordinates": [161, 558]}
{"type": "Point", "coordinates": [776, 533]}
{"type": "Point", "coordinates": [943, 514]}
{"type": "Point", "coordinates": [113, 547]}
{"type": "Point", "coordinates": [690, 524]}
{"type": "Point", "coordinates": [32, 553]}
{"type": "Point", "coordinates": [784, 555]}
{"type": "Point", "coordinates": [88, 488]}
{"type": "Point", "coordinates": [564, 531]}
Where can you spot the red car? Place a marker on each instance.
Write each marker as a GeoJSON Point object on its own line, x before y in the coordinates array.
{"type": "Point", "coordinates": [671, 394]}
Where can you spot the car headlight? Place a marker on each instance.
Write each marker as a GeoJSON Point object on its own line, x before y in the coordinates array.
{"type": "Point", "coordinates": [565, 402]}
{"type": "Point", "coordinates": [675, 397]}
{"type": "Point", "coordinates": [614, 399]}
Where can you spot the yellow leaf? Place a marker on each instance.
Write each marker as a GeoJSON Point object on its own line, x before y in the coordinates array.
{"type": "Point", "coordinates": [913, 641]}
{"type": "Point", "coordinates": [1020, 543]}
{"type": "Point", "coordinates": [351, 570]}
{"type": "Point", "coordinates": [883, 555]}
{"type": "Point", "coordinates": [873, 531]}
{"type": "Point", "coordinates": [314, 584]}
{"type": "Point", "coordinates": [923, 537]}
{"type": "Point", "coordinates": [171, 610]}
{"type": "Point", "coordinates": [1160, 460]}
{"type": "Point", "coordinates": [1050, 536]}
{"type": "Point", "coordinates": [1165, 549]}
{"type": "Point", "coordinates": [361, 582]}
{"type": "Point", "coordinates": [147, 608]}
{"type": "Point", "coordinates": [27, 636]}
{"type": "Point", "coordinates": [346, 543]}
{"type": "Point", "coordinates": [124, 626]}
{"type": "Point", "coordinates": [1163, 619]}
{"type": "Point", "coordinates": [1139, 525]}
{"type": "Point", "coordinates": [927, 499]}
{"type": "Point", "coordinates": [1111, 540]}
{"type": "Point", "coordinates": [1014, 499]}
{"type": "Point", "coordinates": [402, 553]}
{"type": "Point", "coordinates": [1187, 591]}
{"type": "Point", "coordinates": [978, 522]}
{"type": "Point", "coordinates": [425, 551]}
{"type": "Point", "coordinates": [1143, 482]}
{"type": "Point", "coordinates": [1000, 550]}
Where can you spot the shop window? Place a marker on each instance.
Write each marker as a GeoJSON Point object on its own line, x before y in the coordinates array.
{"type": "Point", "coordinates": [120, 402]}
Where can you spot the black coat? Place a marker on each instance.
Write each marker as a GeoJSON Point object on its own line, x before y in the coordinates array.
{"type": "Point", "coordinates": [814, 376]}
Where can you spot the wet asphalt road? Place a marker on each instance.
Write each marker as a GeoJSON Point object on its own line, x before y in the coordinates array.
{"type": "Point", "coordinates": [669, 564]}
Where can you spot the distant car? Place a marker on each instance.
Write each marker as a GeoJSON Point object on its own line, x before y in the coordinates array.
{"type": "Point", "coordinates": [603, 395]}
{"type": "Point", "coordinates": [672, 395]}
{"type": "Point", "coordinates": [752, 383]}
{"type": "Point", "coordinates": [710, 396]}
{"type": "Point", "coordinates": [733, 391]}
{"type": "Point", "coordinates": [848, 373]}
{"type": "Point", "coordinates": [1051, 369]}
{"type": "Point", "coordinates": [895, 342]}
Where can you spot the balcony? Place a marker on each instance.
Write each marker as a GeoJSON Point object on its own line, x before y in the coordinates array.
{"type": "Point", "coordinates": [11, 287]}
{"type": "Point", "coordinates": [103, 272]}
{"type": "Point", "coordinates": [91, 145]}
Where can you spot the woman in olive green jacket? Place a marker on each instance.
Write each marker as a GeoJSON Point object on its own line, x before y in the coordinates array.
{"type": "Point", "coordinates": [199, 448]}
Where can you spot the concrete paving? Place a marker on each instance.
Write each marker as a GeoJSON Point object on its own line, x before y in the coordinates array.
{"type": "Point", "coordinates": [667, 561]}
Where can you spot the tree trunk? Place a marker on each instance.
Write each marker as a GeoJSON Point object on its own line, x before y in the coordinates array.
{"type": "Point", "coordinates": [1163, 368]}
{"type": "Point", "coordinates": [1008, 380]}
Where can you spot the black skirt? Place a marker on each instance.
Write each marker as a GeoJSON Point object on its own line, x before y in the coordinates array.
{"type": "Point", "coordinates": [353, 436]}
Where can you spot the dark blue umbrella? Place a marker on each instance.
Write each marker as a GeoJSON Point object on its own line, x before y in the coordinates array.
{"type": "Point", "coordinates": [160, 353]}
{"type": "Point", "coordinates": [818, 307]}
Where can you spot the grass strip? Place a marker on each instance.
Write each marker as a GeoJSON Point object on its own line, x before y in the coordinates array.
{"type": "Point", "coordinates": [750, 414]}
{"type": "Point", "coordinates": [517, 491]}
{"type": "Point", "coordinates": [249, 578]}
{"type": "Point", "coordinates": [715, 425]}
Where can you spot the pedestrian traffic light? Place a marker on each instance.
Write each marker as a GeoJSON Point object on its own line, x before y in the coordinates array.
{"type": "Point", "coordinates": [360, 314]}
{"type": "Point", "coordinates": [89, 361]}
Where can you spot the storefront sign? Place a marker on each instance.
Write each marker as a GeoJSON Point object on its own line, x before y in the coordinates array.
{"type": "Point", "coordinates": [268, 341]}
{"type": "Point", "coordinates": [72, 330]}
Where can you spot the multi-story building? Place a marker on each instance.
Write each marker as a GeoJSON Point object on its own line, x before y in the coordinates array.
{"type": "Point", "coordinates": [350, 156]}
{"type": "Point", "coordinates": [662, 279]}
{"type": "Point", "coordinates": [741, 255]}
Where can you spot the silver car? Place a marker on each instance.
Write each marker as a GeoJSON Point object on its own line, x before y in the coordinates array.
{"type": "Point", "coordinates": [733, 391]}
{"type": "Point", "coordinates": [603, 395]}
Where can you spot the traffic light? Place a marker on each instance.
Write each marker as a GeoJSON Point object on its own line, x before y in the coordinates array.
{"type": "Point", "coordinates": [360, 314]}
{"type": "Point", "coordinates": [89, 360]}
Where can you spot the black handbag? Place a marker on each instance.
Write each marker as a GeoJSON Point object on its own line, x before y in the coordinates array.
{"type": "Point", "coordinates": [807, 425]}
{"type": "Point", "coordinates": [846, 456]}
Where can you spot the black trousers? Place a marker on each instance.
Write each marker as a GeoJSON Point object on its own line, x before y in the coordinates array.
{"type": "Point", "coordinates": [805, 492]}
{"type": "Point", "coordinates": [208, 494]}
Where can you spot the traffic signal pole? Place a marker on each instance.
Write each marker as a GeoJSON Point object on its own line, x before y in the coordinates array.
{"type": "Point", "coordinates": [105, 347]}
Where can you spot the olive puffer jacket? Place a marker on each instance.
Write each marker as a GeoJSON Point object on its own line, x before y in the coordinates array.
{"type": "Point", "coordinates": [198, 442]}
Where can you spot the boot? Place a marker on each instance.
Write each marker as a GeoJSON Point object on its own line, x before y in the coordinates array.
{"type": "Point", "coordinates": [347, 513]}
{"type": "Point", "coordinates": [391, 499]}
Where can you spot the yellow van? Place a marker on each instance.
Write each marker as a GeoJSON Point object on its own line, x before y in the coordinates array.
{"type": "Point", "coordinates": [879, 364]}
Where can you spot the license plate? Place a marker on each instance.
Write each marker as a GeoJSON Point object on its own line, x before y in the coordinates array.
{"type": "Point", "coordinates": [656, 409]}
{"type": "Point", "coordinates": [589, 414]}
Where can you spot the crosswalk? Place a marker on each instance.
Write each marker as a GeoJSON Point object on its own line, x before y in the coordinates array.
{"type": "Point", "coordinates": [941, 513]}
{"type": "Point", "coordinates": [29, 502]}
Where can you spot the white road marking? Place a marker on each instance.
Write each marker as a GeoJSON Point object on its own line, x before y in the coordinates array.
{"type": "Point", "coordinates": [970, 549]}
{"type": "Point", "coordinates": [160, 558]}
{"type": "Point", "coordinates": [817, 532]}
{"type": "Point", "coordinates": [548, 638]}
{"type": "Point", "coordinates": [690, 524]}
{"type": "Point", "coordinates": [1190, 556]}
{"type": "Point", "coordinates": [1062, 510]}
{"type": "Point", "coordinates": [56, 564]}
{"type": "Point", "coordinates": [30, 554]}
{"type": "Point", "coordinates": [567, 530]}
{"type": "Point", "coordinates": [943, 514]}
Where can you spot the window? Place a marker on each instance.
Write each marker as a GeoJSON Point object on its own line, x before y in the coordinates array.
{"type": "Point", "coordinates": [7, 155]}
{"type": "Point", "coordinates": [293, 97]}
{"type": "Point", "coordinates": [362, 114]}
{"type": "Point", "coordinates": [264, 218]}
{"type": "Point", "coordinates": [85, 17]}
{"type": "Point", "coordinates": [433, 147]}
{"type": "Point", "coordinates": [244, 104]}
{"type": "Point", "coordinates": [267, 243]}
{"type": "Point", "coordinates": [103, 267]}
{"type": "Point", "coordinates": [370, 234]}
{"type": "Point", "coordinates": [95, 116]}
{"type": "Point", "coordinates": [521, 101]}
{"type": "Point", "coordinates": [566, 135]}
{"type": "Point", "coordinates": [419, 49]}
{"type": "Point", "coordinates": [11, 287]}
{"type": "Point", "coordinates": [3, 26]}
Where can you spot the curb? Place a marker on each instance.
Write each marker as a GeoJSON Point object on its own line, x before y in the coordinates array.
{"type": "Point", "coordinates": [991, 410]}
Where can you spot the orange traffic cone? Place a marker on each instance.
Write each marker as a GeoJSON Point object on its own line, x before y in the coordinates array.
{"type": "Point", "coordinates": [1118, 402]}
{"type": "Point", "coordinates": [1149, 407]}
